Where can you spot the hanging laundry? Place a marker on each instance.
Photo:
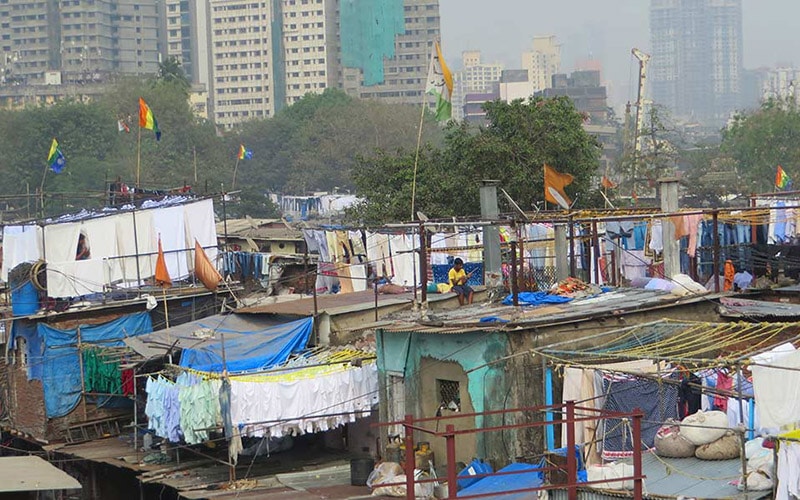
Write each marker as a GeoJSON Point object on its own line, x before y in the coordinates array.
{"type": "Point", "coordinates": [100, 374]}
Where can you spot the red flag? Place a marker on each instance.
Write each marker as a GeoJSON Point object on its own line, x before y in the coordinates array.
{"type": "Point", "coordinates": [204, 269]}
{"type": "Point", "coordinates": [162, 274]}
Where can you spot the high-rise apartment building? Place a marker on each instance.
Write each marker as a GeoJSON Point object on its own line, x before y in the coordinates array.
{"type": "Point", "coordinates": [475, 77]}
{"type": "Point", "coordinates": [242, 65]}
{"type": "Point", "coordinates": [81, 41]}
{"type": "Point", "coordinates": [781, 83]}
{"type": "Point", "coordinates": [543, 61]}
{"type": "Point", "coordinates": [386, 47]}
{"type": "Point", "coordinates": [696, 65]}
{"type": "Point", "coordinates": [187, 37]}
{"type": "Point", "coordinates": [309, 43]}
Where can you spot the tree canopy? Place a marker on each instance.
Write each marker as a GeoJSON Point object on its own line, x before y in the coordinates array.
{"type": "Point", "coordinates": [309, 146]}
{"type": "Point", "coordinates": [759, 141]}
{"type": "Point", "coordinates": [519, 138]}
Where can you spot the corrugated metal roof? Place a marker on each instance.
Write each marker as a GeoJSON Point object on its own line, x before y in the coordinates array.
{"type": "Point", "coordinates": [32, 473]}
{"type": "Point", "coordinates": [328, 303]}
{"type": "Point", "coordinates": [733, 307]}
{"type": "Point", "coordinates": [468, 319]}
{"type": "Point", "coordinates": [679, 477]}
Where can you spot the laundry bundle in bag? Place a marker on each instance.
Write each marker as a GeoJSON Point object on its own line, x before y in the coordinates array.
{"type": "Point", "coordinates": [724, 448]}
{"type": "Point", "coordinates": [704, 427]}
{"type": "Point", "coordinates": [670, 443]}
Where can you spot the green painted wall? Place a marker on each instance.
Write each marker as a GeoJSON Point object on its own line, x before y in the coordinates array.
{"type": "Point", "coordinates": [368, 29]}
{"type": "Point", "coordinates": [487, 386]}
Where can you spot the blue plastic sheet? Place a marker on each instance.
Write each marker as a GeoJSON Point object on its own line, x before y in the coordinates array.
{"type": "Point", "coordinates": [530, 476]}
{"type": "Point", "coordinates": [61, 370]}
{"type": "Point", "coordinates": [25, 329]}
{"type": "Point", "coordinates": [250, 350]}
{"type": "Point", "coordinates": [536, 299]}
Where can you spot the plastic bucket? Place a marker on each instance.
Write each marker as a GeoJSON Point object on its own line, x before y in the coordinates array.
{"type": "Point", "coordinates": [24, 299]}
{"type": "Point", "coordinates": [360, 469]}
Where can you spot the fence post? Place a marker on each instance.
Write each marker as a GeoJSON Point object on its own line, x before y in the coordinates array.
{"type": "Point", "coordinates": [637, 453]}
{"type": "Point", "coordinates": [572, 465]}
{"type": "Point", "coordinates": [409, 420]}
{"type": "Point", "coordinates": [450, 441]}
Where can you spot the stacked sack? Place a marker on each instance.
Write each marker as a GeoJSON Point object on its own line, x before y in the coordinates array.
{"type": "Point", "coordinates": [708, 430]}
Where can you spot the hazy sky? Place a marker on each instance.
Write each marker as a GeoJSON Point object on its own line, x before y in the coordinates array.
{"type": "Point", "coordinates": [605, 29]}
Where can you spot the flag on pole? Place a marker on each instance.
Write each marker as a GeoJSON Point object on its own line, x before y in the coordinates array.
{"type": "Point", "coordinates": [782, 180]}
{"type": "Point", "coordinates": [607, 183]}
{"type": "Point", "coordinates": [147, 119]}
{"type": "Point", "coordinates": [440, 84]}
{"type": "Point", "coordinates": [204, 269]}
{"type": "Point", "coordinates": [554, 184]}
{"type": "Point", "coordinates": [122, 126]}
{"type": "Point", "coordinates": [162, 274]}
{"type": "Point", "coordinates": [244, 153]}
{"type": "Point", "coordinates": [55, 158]}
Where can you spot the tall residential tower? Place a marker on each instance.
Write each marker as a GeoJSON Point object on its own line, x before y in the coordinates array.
{"type": "Point", "coordinates": [696, 66]}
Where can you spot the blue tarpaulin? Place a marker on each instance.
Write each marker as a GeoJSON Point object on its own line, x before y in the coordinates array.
{"type": "Point", "coordinates": [250, 349]}
{"type": "Point", "coordinates": [536, 299]}
{"type": "Point", "coordinates": [530, 476]}
{"type": "Point", "coordinates": [61, 370]}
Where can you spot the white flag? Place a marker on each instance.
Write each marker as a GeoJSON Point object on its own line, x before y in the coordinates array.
{"type": "Point", "coordinates": [440, 84]}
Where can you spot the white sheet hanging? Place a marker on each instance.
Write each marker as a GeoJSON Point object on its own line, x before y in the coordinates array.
{"type": "Point", "coordinates": [146, 240]}
{"type": "Point", "coordinates": [301, 405]}
{"type": "Point", "coordinates": [170, 224]}
{"type": "Point", "coordinates": [776, 387]}
{"type": "Point", "coordinates": [20, 244]}
{"type": "Point", "coordinates": [61, 241]}
{"type": "Point", "coordinates": [200, 225]}
{"type": "Point", "coordinates": [75, 278]}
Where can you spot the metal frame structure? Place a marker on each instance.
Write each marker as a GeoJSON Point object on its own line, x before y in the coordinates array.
{"type": "Point", "coordinates": [411, 424]}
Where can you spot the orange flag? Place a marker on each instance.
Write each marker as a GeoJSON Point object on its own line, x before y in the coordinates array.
{"type": "Point", "coordinates": [204, 269]}
{"type": "Point", "coordinates": [607, 183]}
{"type": "Point", "coordinates": [554, 184]}
{"type": "Point", "coordinates": [162, 274]}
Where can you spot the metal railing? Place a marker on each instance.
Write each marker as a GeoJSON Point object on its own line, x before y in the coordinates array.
{"type": "Point", "coordinates": [411, 424]}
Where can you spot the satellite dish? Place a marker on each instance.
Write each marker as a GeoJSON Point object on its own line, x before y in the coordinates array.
{"type": "Point", "coordinates": [422, 217]}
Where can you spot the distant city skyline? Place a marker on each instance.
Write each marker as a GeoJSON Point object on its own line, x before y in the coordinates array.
{"type": "Point", "coordinates": [503, 29]}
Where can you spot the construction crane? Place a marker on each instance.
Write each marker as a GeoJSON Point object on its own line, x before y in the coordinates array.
{"type": "Point", "coordinates": [640, 102]}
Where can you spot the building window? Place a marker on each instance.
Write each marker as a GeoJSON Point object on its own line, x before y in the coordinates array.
{"type": "Point", "coordinates": [449, 395]}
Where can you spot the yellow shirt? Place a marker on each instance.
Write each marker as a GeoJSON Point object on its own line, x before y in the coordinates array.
{"type": "Point", "coordinates": [456, 276]}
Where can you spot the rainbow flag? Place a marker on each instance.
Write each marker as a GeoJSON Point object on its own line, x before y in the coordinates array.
{"type": "Point", "coordinates": [244, 153]}
{"type": "Point", "coordinates": [147, 119]}
{"type": "Point", "coordinates": [782, 180]}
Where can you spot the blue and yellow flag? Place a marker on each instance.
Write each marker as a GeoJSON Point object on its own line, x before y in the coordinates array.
{"type": "Point", "coordinates": [55, 158]}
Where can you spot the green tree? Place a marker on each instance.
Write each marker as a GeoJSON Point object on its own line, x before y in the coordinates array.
{"type": "Point", "coordinates": [759, 141]}
{"type": "Point", "coordinates": [519, 139]}
{"type": "Point", "coordinates": [170, 70]}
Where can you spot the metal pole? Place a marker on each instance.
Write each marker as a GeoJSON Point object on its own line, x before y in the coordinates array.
{"type": "Point", "coordinates": [423, 262]}
{"type": "Point", "coordinates": [136, 248]}
{"type": "Point", "coordinates": [571, 247]}
{"type": "Point", "coordinates": [514, 284]}
{"type": "Point", "coordinates": [452, 481]}
{"type": "Point", "coordinates": [135, 416]}
{"type": "Point", "coordinates": [413, 267]}
{"type": "Point", "coordinates": [637, 454]}
{"type": "Point", "coordinates": [375, 287]}
{"type": "Point", "coordinates": [83, 379]}
{"type": "Point", "coordinates": [572, 465]}
{"type": "Point", "coordinates": [521, 275]}
{"type": "Point", "coordinates": [715, 229]}
{"type": "Point", "coordinates": [597, 254]}
{"type": "Point", "coordinates": [224, 216]}
{"type": "Point", "coordinates": [743, 456]}
{"type": "Point", "coordinates": [409, 421]}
